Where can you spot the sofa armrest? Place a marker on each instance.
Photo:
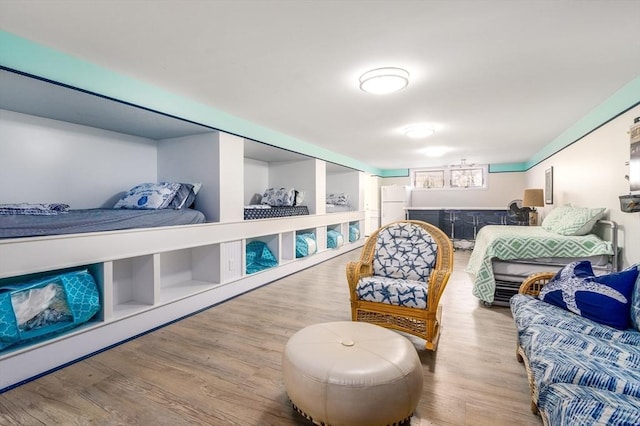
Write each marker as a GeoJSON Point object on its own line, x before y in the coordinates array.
{"type": "Point", "coordinates": [534, 283]}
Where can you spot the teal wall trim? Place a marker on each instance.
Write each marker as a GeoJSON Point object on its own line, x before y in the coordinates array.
{"type": "Point", "coordinates": [507, 167]}
{"type": "Point", "coordinates": [622, 100]}
{"type": "Point", "coordinates": [23, 55]}
{"type": "Point", "coordinates": [388, 173]}
{"type": "Point", "coordinates": [625, 98]}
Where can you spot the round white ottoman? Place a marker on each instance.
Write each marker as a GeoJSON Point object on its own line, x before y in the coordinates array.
{"type": "Point", "coordinates": [352, 373]}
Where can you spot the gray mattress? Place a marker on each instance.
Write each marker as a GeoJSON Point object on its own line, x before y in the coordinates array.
{"type": "Point", "coordinates": [94, 220]}
{"type": "Point", "coordinates": [507, 269]}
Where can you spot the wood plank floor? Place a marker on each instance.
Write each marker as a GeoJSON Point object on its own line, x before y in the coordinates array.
{"type": "Point", "coordinates": [222, 366]}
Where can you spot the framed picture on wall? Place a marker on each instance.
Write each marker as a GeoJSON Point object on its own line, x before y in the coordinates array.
{"type": "Point", "coordinates": [548, 186]}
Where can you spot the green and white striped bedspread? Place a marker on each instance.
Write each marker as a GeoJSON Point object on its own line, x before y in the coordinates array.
{"type": "Point", "coordinates": [523, 242]}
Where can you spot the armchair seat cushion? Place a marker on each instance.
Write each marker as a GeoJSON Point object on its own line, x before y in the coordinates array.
{"type": "Point", "coordinates": [393, 291]}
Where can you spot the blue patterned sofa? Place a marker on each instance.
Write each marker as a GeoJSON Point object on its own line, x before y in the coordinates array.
{"type": "Point", "coordinates": [581, 370]}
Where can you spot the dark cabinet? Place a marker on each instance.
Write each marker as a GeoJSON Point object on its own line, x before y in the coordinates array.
{"type": "Point", "coordinates": [433, 217]}
{"type": "Point", "coordinates": [463, 224]}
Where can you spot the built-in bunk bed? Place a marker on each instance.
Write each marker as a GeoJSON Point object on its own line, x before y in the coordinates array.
{"type": "Point", "coordinates": [146, 205]}
{"type": "Point", "coordinates": [505, 255]}
{"type": "Point", "coordinates": [144, 274]}
{"type": "Point", "coordinates": [277, 202]}
{"type": "Point", "coordinates": [342, 189]}
{"type": "Point", "coordinates": [338, 202]}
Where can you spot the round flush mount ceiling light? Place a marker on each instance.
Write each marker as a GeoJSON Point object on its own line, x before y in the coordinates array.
{"type": "Point", "coordinates": [435, 151]}
{"type": "Point", "coordinates": [418, 131]}
{"type": "Point", "coordinates": [382, 81]}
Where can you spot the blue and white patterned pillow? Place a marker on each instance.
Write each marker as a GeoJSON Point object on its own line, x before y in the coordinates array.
{"type": "Point", "coordinates": [149, 196]}
{"type": "Point", "coordinates": [605, 299]}
{"type": "Point", "coordinates": [279, 197]}
{"type": "Point", "coordinates": [339, 199]}
{"type": "Point", "coordinates": [405, 251]}
{"type": "Point", "coordinates": [185, 196]}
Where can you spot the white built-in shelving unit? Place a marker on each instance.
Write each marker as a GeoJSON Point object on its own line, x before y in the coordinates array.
{"type": "Point", "coordinates": [147, 277]}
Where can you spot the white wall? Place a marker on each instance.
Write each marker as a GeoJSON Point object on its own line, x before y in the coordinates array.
{"type": "Point", "coordinates": [372, 203]}
{"type": "Point", "coordinates": [300, 175]}
{"type": "Point", "coordinates": [347, 182]}
{"type": "Point", "coordinates": [50, 161]}
{"type": "Point", "coordinates": [590, 173]}
{"type": "Point", "coordinates": [501, 188]}
{"type": "Point", "coordinates": [192, 159]}
{"type": "Point", "coordinates": [256, 179]}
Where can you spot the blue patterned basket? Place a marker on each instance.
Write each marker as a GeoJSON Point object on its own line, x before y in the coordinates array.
{"type": "Point", "coordinates": [47, 306]}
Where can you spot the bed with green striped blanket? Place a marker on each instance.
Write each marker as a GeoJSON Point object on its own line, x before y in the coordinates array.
{"type": "Point", "coordinates": [506, 242]}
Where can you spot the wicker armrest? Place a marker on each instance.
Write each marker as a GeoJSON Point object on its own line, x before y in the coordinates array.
{"type": "Point", "coordinates": [534, 283]}
{"type": "Point", "coordinates": [356, 270]}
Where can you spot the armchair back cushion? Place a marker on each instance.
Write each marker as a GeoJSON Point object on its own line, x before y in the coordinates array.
{"type": "Point", "coordinates": [405, 251]}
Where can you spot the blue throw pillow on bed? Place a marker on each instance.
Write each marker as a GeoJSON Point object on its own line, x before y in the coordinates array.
{"type": "Point", "coordinates": [185, 197]}
{"type": "Point", "coordinates": [605, 299]}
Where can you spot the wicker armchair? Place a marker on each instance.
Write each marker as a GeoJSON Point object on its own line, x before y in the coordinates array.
{"type": "Point", "coordinates": [401, 275]}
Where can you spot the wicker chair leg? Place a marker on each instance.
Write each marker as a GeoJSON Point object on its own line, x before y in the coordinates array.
{"type": "Point", "coordinates": [534, 408]}
{"type": "Point", "coordinates": [433, 344]}
{"type": "Point", "coordinates": [519, 355]}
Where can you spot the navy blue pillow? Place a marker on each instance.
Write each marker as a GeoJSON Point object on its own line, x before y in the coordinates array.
{"type": "Point", "coordinates": [183, 198]}
{"type": "Point", "coordinates": [605, 299]}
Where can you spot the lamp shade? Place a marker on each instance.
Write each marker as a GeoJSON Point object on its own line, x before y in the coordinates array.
{"type": "Point", "coordinates": [533, 198]}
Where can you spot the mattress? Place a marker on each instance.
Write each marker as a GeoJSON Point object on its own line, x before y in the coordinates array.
{"type": "Point", "coordinates": [503, 269]}
{"type": "Point", "coordinates": [266, 212]}
{"type": "Point", "coordinates": [94, 220]}
{"type": "Point", "coordinates": [335, 208]}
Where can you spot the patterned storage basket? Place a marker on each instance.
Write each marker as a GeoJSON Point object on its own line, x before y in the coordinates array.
{"type": "Point", "coordinates": [46, 306]}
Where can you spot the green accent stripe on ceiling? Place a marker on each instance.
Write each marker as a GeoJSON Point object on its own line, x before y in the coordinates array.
{"type": "Point", "coordinates": [622, 100]}
{"type": "Point", "coordinates": [26, 56]}
{"type": "Point", "coordinates": [625, 98]}
{"type": "Point", "coordinates": [507, 167]}
{"type": "Point", "coordinates": [388, 173]}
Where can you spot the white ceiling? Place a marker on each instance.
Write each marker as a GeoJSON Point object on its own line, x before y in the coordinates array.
{"type": "Point", "coordinates": [499, 79]}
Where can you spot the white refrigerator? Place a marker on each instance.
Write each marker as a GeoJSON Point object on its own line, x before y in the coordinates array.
{"type": "Point", "coordinates": [393, 200]}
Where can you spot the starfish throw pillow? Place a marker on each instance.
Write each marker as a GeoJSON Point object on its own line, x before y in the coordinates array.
{"type": "Point", "coordinates": [605, 299]}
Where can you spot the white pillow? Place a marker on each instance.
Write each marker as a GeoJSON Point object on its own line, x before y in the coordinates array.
{"type": "Point", "coordinates": [568, 220]}
{"type": "Point", "coordinates": [149, 196]}
{"type": "Point", "coordinates": [279, 197]}
{"type": "Point", "coordinates": [339, 199]}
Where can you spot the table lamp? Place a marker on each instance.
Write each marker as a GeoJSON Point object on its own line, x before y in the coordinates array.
{"type": "Point", "coordinates": [533, 198]}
